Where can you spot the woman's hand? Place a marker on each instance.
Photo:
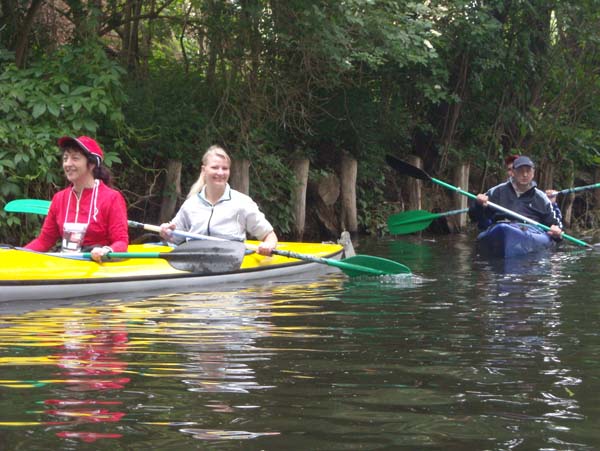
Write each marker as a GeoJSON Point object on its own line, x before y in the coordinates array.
{"type": "Point", "coordinates": [99, 252]}
{"type": "Point", "coordinates": [265, 249]}
{"type": "Point", "coordinates": [268, 244]}
{"type": "Point", "coordinates": [165, 231]}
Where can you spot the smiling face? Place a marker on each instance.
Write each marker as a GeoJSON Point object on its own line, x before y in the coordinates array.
{"type": "Point", "coordinates": [78, 170]}
{"type": "Point", "coordinates": [216, 172]}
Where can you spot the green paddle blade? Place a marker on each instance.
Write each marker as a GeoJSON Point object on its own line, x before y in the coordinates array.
{"type": "Point", "coordinates": [410, 221]}
{"type": "Point", "coordinates": [37, 206]}
{"type": "Point", "coordinates": [416, 220]}
{"type": "Point", "coordinates": [373, 266]}
{"type": "Point", "coordinates": [368, 261]}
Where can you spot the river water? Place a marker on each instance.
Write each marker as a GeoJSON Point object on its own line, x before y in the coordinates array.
{"type": "Point", "coordinates": [467, 354]}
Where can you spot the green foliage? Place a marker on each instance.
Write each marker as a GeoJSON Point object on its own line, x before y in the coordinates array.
{"type": "Point", "coordinates": [372, 209]}
{"type": "Point", "coordinates": [168, 114]}
{"type": "Point", "coordinates": [447, 81]}
{"type": "Point", "coordinates": [69, 92]}
{"type": "Point", "coordinates": [271, 184]}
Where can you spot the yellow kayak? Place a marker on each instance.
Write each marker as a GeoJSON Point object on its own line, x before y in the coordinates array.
{"type": "Point", "coordinates": [27, 275]}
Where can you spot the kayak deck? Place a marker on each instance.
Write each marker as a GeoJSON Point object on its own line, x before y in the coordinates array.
{"type": "Point", "coordinates": [32, 275]}
{"type": "Point", "coordinates": [511, 239]}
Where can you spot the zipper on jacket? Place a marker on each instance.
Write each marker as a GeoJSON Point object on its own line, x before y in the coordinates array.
{"type": "Point", "coordinates": [212, 209]}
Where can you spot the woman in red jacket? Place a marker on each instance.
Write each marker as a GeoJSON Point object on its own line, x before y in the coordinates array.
{"type": "Point", "coordinates": [89, 215]}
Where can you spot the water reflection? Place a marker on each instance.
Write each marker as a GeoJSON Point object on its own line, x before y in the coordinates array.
{"type": "Point", "coordinates": [205, 342]}
{"type": "Point", "coordinates": [464, 355]}
{"type": "Point", "coordinates": [522, 316]}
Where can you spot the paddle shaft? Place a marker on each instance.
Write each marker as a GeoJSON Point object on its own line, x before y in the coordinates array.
{"type": "Point", "coordinates": [507, 211]}
{"type": "Point", "coordinates": [179, 233]}
{"type": "Point", "coordinates": [111, 255]}
{"type": "Point", "coordinates": [452, 212]}
{"type": "Point", "coordinates": [579, 188]}
{"type": "Point", "coordinates": [326, 261]}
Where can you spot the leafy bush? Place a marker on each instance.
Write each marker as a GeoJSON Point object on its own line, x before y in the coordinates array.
{"type": "Point", "coordinates": [69, 92]}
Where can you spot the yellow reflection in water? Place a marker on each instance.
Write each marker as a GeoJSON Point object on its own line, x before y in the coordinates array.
{"type": "Point", "coordinates": [83, 356]}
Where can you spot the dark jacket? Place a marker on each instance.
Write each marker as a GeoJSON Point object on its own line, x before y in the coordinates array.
{"type": "Point", "coordinates": [534, 204]}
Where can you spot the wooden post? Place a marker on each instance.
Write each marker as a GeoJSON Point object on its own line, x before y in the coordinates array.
{"type": "Point", "coordinates": [348, 172]}
{"type": "Point", "coordinates": [414, 186]}
{"type": "Point", "coordinates": [567, 202]}
{"type": "Point", "coordinates": [300, 169]}
{"type": "Point", "coordinates": [239, 178]}
{"type": "Point", "coordinates": [325, 192]}
{"type": "Point", "coordinates": [172, 191]}
{"type": "Point", "coordinates": [461, 179]}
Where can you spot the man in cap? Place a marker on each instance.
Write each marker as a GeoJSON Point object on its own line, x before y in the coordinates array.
{"type": "Point", "coordinates": [508, 161]}
{"type": "Point", "coordinates": [521, 195]}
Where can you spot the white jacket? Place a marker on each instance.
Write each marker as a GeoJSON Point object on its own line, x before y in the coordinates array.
{"type": "Point", "coordinates": [234, 215]}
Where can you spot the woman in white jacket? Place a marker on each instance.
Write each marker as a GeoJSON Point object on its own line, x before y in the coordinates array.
{"type": "Point", "coordinates": [212, 208]}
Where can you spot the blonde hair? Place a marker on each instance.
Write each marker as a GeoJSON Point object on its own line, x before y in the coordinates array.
{"type": "Point", "coordinates": [217, 151]}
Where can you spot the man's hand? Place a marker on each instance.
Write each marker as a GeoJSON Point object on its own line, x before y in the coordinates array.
{"type": "Point", "coordinates": [482, 199]}
{"type": "Point", "coordinates": [555, 231]}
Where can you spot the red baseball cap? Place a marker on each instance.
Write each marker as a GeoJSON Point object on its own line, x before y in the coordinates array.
{"type": "Point", "coordinates": [85, 143]}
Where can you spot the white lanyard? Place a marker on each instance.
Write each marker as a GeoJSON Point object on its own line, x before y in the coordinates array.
{"type": "Point", "coordinates": [93, 204]}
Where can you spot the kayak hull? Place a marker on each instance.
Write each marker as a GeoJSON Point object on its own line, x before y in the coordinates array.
{"type": "Point", "coordinates": [32, 276]}
{"type": "Point", "coordinates": [510, 239]}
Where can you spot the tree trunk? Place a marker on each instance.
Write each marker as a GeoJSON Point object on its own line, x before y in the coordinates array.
{"type": "Point", "coordinates": [172, 191]}
{"type": "Point", "coordinates": [545, 177]}
{"type": "Point", "coordinates": [461, 179]}
{"type": "Point", "coordinates": [348, 172]}
{"type": "Point", "coordinates": [300, 168]}
{"type": "Point", "coordinates": [239, 179]}
{"type": "Point", "coordinates": [23, 33]}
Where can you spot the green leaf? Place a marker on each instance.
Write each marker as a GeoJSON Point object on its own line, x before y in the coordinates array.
{"type": "Point", "coordinates": [38, 110]}
{"type": "Point", "coordinates": [90, 124]}
{"type": "Point", "coordinates": [54, 109]}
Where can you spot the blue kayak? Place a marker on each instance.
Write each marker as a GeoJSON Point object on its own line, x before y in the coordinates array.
{"type": "Point", "coordinates": [511, 239]}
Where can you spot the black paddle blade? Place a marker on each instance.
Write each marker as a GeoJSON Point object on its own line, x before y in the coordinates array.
{"type": "Point", "coordinates": [406, 168]}
{"type": "Point", "coordinates": [207, 257]}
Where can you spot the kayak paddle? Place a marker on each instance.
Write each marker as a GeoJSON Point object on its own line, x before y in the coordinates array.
{"type": "Point", "coordinates": [352, 266]}
{"type": "Point", "coordinates": [408, 169]}
{"type": "Point", "coordinates": [37, 206]}
{"type": "Point", "coordinates": [416, 220]}
{"type": "Point", "coordinates": [205, 257]}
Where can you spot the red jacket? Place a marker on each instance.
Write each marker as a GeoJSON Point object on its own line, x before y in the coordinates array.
{"type": "Point", "coordinates": [107, 227]}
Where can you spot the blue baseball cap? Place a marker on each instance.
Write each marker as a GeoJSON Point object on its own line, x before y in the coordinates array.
{"type": "Point", "coordinates": [523, 161]}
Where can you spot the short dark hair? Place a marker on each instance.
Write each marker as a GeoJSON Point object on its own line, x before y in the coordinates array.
{"type": "Point", "coordinates": [510, 159]}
